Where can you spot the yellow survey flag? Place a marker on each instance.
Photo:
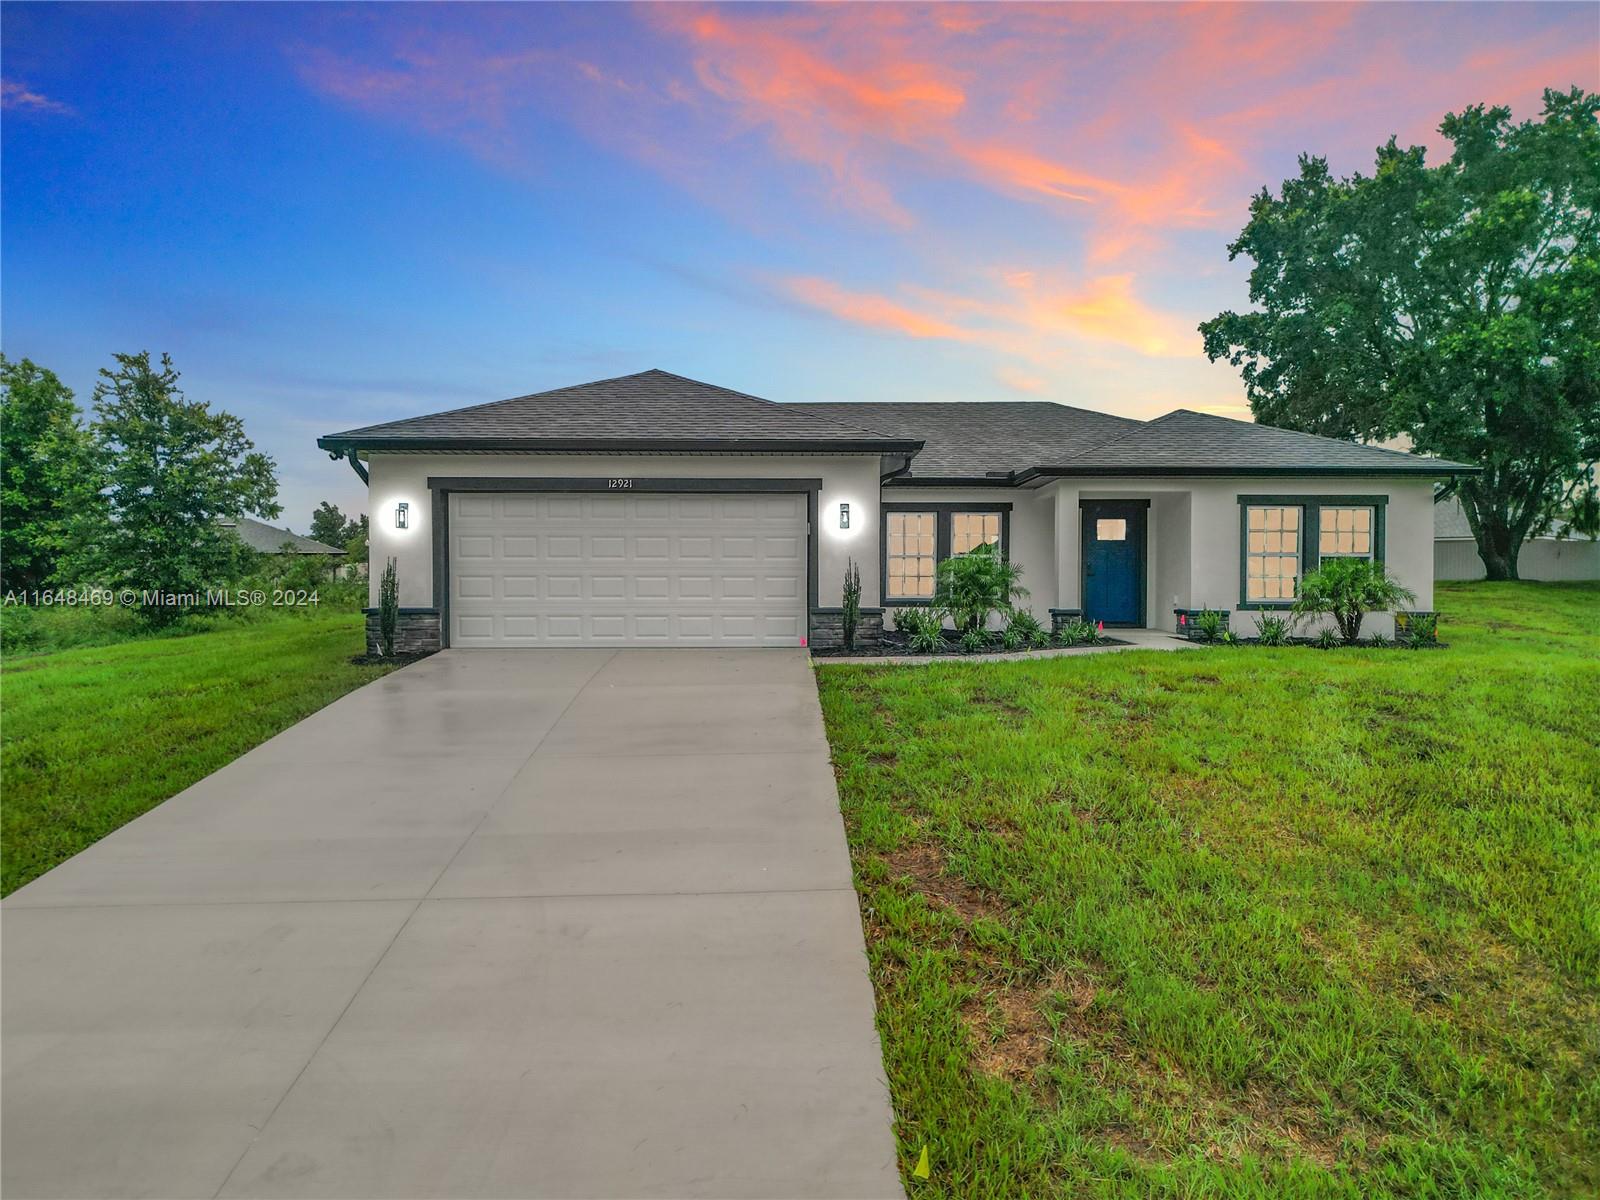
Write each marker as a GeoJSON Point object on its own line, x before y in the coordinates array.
{"type": "Point", "coordinates": [920, 1171]}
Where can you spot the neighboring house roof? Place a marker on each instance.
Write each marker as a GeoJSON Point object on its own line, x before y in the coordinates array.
{"type": "Point", "coordinates": [650, 411]}
{"type": "Point", "coordinates": [1450, 524]}
{"type": "Point", "coordinates": [970, 439]}
{"type": "Point", "coordinates": [269, 539]}
{"type": "Point", "coordinates": [963, 442]}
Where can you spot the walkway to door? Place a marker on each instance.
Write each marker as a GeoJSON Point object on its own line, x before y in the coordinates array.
{"type": "Point", "coordinates": [504, 923]}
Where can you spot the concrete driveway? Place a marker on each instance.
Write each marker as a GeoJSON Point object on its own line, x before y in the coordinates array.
{"type": "Point", "coordinates": [524, 923]}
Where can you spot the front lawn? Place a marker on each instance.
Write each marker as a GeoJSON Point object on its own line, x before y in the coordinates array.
{"type": "Point", "coordinates": [1241, 921]}
{"type": "Point", "coordinates": [91, 738]}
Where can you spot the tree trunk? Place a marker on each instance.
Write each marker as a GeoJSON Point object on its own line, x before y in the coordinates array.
{"type": "Point", "coordinates": [1498, 547]}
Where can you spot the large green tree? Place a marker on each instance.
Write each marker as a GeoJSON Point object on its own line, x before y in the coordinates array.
{"type": "Point", "coordinates": [172, 469]}
{"type": "Point", "coordinates": [44, 472]}
{"type": "Point", "coordinates": [328, 525]}
{"type": "Point", "coordinates": [1457, 305]}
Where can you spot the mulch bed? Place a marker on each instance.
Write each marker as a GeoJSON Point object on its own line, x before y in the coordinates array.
{"type": "Point", "coordinates": [393, 660]}
{"type": "Point", "coordinates": [894, 646]}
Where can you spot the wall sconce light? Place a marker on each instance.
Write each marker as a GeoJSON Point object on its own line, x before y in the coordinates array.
{"type": "Point", "coordinates": [844, 516]}
{"type": "Point", "coordinates": [402, 515]}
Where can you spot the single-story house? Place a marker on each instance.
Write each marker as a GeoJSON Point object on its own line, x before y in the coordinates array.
{"type": "Point", "coordinates": [656, 510]}
{"type": "Point", "coordinates": [269, 539]}
{"type": "Point", "coordinates": [1548, 556]}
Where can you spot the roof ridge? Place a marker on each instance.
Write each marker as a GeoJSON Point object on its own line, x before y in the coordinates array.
{"type": "Point", "coordinates": [783, 404]}
{"type": "Point", "coordinates": [482, 404]}
{"type": "Point", "coordinates": [1141, 427]}
{"type": "Point", "coordinates": [1320, 437]}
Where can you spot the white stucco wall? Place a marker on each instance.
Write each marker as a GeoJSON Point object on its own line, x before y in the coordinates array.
{"type": "Point", "coordinates": [1194, 550]}
{"type": "Point", "coordinates": [1201, 570]}
{"type": "Point", "coordinates": [851, 479]}
{"type": "Point", "coordinates": [1032, 532]}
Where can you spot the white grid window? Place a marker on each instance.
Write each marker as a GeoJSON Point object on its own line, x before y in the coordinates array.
{"type": "Point", "coordinates": [973, 529]}
{"type": "Point", "coordinates": [911, 555]}
{"type": "Point", "coordinates": [1345, 533]}
{"type": "Point", "coordinates": [1272, 558]}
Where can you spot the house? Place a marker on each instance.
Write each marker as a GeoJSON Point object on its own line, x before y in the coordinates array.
{"type": "Point", "coordinates": [1548, 556]}
{"type": "Point", "coordinates": [269, 539]}
{"type": "Point", "coordinates": [656, 510]}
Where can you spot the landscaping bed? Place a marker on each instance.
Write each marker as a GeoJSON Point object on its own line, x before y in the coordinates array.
{"type": "Point", "coordinates": [897, 645]}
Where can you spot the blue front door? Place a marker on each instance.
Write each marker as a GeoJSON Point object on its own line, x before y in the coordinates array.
{"type": "Point", "coordinates": [1113, 561]}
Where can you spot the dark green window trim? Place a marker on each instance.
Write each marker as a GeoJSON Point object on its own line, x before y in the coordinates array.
{"type": "Point", "coordinates": [941, 538]}
{"type": "Point", "coordinates": [1310, 535]}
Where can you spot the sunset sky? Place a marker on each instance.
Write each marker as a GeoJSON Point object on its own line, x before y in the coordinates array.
{"type": "Point", "coordinates": [332, 215]}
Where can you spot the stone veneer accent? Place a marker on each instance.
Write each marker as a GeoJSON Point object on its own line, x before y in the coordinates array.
{"type": "Point", "coordinates": [1061, 616]}
{"type": "Point", "coordinates": [1186, 621]}
{"type": "Point", "coordinates": [827, 629]}
{"type": "Point", "coordinates": [416, 633]}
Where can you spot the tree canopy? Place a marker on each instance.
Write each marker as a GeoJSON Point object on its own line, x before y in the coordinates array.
{"type": "Point", "coordinates": [171, 469]}
{"type": "Point", "coordinates": [44, 472]}
{"type": "Point", "coordinates": [1457, 305]}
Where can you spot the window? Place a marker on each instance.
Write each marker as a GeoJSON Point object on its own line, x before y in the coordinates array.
{"type": "Point", "coordinates": [1272, 556]}
{"type": "Point", "coordinates": [916, 540]}
{"type": "Point", "coordinates": [1345, 532]}
{"type": "Point", "coordinates": [1111, 529]}
{"type": "Point", "coordinates": [910, 555]}
{"type": "Point", "coordinates": [969, 529]}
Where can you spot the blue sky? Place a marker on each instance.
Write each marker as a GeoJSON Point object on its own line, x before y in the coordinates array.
{"type": "Point", "coordinates": [332, 215]}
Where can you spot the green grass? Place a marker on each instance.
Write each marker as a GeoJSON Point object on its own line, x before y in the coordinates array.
{"type": "Point", "coordinates": [91, 738]}
{"type": "Point", "coordinates": [1241, 921]}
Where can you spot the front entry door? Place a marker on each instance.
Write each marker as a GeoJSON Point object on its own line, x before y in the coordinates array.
{"type": "Point", "coordinates": [1113, 561]}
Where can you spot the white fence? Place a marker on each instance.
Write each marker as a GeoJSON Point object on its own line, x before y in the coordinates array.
{"type": "Point", "coordinates": [1543, 558]}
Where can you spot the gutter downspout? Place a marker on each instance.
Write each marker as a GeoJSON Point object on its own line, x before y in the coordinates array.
{"type": "Point", "coordinates": [355, 463]}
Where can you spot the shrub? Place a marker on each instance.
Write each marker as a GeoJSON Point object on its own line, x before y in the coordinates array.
{"type": "Point", "coordinates": [975, 641]}
{"type": "Point", "coordinates": [1272, 631]}
{"type": "Point", "coordinates": [1379, 641]}
{"type": "Point", "coordinates": [388, 608]}
{"type": "Point", "coordinates": [1346, 589]}
{"type": "Point", "coordinates": [1227, 638]}
{"type": "Point", "coordinates": [1209, 623]}
{"type": "Point", "coordinates": [1077, 631]}
{"type": "Point", "coordinates": [1422, 629]}
{"type": "Point", "coordinates": [972, 587]}
{"type": "Point", "coordinates": [1326, 639]}
{"type": "Point", "coordinates": [1011, 638]}
{"type": "Point", "coordinates": [852, 602]}
{"type": "Point", "coordinates": [1027, 629]}
{"type": "Point", "coordinates": [923, 627]}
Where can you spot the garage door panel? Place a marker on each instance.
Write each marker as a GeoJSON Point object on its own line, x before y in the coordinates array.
{"type": "Point", "coordinates": [536, 569]}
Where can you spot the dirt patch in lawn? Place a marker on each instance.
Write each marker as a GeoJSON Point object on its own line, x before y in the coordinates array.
{"type": "Point", "coordinates": [925, 865]}
{"type": "Point", "coordinates": [1011, 1024]}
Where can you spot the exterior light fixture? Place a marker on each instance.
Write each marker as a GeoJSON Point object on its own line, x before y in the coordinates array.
{"type": "Point", "coordinates": [844, 516]}
{"type": "Point", "coordinates": [402, 515]}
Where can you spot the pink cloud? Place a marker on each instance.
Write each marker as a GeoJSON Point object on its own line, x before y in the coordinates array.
{"type": "Point", "coordinates": [1033, 321]}
{"type": "Point", "coordinates": [18, 96]}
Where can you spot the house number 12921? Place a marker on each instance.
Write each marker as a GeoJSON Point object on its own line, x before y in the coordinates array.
{"type": "Point", "coordinates": [619, 483]}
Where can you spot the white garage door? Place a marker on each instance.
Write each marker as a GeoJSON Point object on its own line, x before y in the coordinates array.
{"type": "Point", "coordinates": [546, 569]}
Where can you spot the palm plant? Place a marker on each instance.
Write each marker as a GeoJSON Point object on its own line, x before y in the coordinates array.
{"type": "Point", "coordinates": [972, 587]}
{"type": "Point", "coordinates": [1346, 589]}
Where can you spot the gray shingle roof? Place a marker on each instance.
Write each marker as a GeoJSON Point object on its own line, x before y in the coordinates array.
{"type": "Point", "coordinates": [995, 441]}
{"type": "Point", "coordinates": [1193, 443]}
{"type": "Point", "coordinates": [650, 410]}
{"type": "Point", "coordinates": [969, 439]}
{"type": "Point", "coordinates": [269, 539]}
